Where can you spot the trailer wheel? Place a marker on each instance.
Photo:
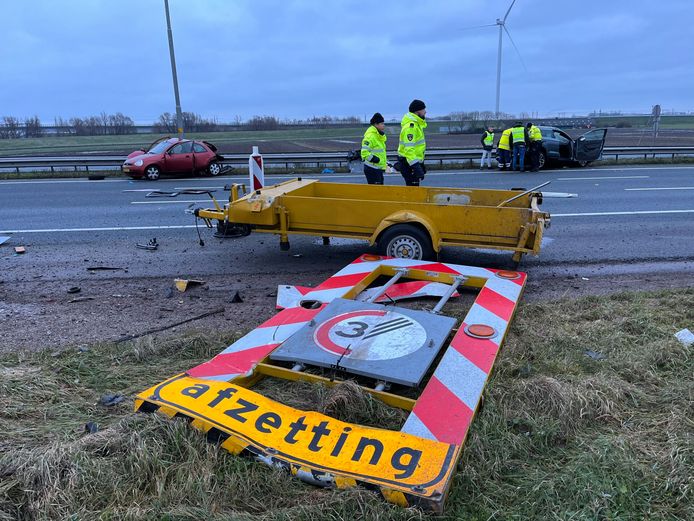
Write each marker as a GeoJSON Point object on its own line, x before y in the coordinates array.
{"type": "Point", "coordinates": [406, 241]}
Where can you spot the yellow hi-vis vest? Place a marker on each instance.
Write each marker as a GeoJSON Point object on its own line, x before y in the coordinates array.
{"type": "Point", "coordinates": [518, 134]}
{"type": "Point", "coordinates": [488, 138]}
{"type": "Point", "coordinates": [535, 133]}
{"type": "Point", "coordinates": [505, 140]}
{"type": "Point", "coordinates": [373, 145]}
{"type": "Point", "coordinates": [412, 143]}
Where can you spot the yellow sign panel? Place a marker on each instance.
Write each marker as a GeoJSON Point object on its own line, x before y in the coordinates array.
{"type": "Point", "coordinates": [395, 460]}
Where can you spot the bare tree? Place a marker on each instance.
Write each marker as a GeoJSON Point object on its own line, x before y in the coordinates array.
{"type": "Point", "coordinates": [10, 128]}
{"type": "Point", "coordinates": [32, 127]}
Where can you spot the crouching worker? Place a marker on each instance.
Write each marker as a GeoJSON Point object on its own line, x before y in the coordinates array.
{"type": "Point", "coordinates": [373, 150]}
{"type": "Point", "coordinates": [412, 144]}
{"type": "Point", "coordinates": [503, 150]}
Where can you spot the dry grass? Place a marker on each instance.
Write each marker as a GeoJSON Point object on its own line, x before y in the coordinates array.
{"type": "Point", "coordinates": [560, 436]}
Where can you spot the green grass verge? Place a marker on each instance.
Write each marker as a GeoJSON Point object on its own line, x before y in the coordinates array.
{"type": "Point", "coordinates": [560, 436]}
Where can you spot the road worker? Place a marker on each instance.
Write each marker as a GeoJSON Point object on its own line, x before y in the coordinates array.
{"type": "Point", "coordinates": [534, 146]}
{"type": "Point", "coordinates": [487, 141]}
{"type": "Point", "coordinates": [373, 150]}
{"type": "Point", "coordinates": [519, 140]}
{"type": "Point", "coordinates": [412, 144]}
{"type": "Point", "coordinates": [503, 150]}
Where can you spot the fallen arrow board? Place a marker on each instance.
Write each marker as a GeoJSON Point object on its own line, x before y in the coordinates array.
{"type": "Point", "coordinates": [329, 328]}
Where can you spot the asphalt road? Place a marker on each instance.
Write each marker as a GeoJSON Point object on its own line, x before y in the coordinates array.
{"type": "Point", "coordinates": [622, 220]}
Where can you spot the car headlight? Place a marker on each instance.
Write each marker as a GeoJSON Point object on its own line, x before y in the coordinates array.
{"type": "Point", "coordinates": [139, 162]}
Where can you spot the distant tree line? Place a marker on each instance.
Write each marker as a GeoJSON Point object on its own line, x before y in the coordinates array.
{"type": "Point", "coordinates": [192, 122]}
{"type": "Point", "coordinates": [13, 128]}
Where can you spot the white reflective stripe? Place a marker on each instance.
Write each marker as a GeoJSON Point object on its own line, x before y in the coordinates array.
{"type": "Point", "coordinates": [369, 149]}
{"type": "Point", "coordinates": [374, 165]}
{"type": "Point", "coordinates": [505, 288]}
{"type": "Point", "coordinates": [461, 377]}
{"type": "Point", "coordinates": [415, 426]}
{"type": "Point", "coordinates": [263, 336]}
{"type": "Point", "coordinates": [414, 162]}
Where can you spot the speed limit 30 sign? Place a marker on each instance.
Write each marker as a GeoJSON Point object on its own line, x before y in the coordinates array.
{"type": "Point", "coordinates": [388, 343]}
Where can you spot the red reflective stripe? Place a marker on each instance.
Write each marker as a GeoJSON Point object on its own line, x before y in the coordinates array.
{"type": "Point", "coordinates": [239, 362]}
{"type": "Point", "coordinates": [291, 316]}
{"type": "Point", "coordinates": [442, 412]}
{"type": "Point", "coordinates": [480, 351]}
{"type": "Point", "coordinates": [435, 266]}
{"type": "Point", "coordinates": [342, 281]}
{"type": "Point", "coordinates": [497, 304]}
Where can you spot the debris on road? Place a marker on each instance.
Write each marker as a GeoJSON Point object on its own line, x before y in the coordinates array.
{"type": "Point", "coordinates": [96, 177]}
{"type": "Point", "coordinates": [19, 250]}
{"type": "Point", "coordinates": [74, 289]}
{"type": "Point", "coordinates": [236, 299]}
{"type": "Point", "coordinates": [109, 400]}
{"type": "Point", "coordinates": [105, 268]}
{"type": "Point", "coordinates": [297, 255]}
{"type": "Point", "coordinates": [170, 326]}
{"type": "Point", "coordinates": [80, 299]}
{"type": "Point", "coordinates": [594, 355]}
{"type": "Point", "coordinates": [4, 238]}
{"type": "Point", "coordinates": [151, 245]}
{"type": "Point", "coordinates": [182, 284]}
{"type": "Point", "coordinates": [685, 337]}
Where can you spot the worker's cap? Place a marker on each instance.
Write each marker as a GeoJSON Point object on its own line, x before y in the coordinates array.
{"type": "Point", "coordinates": [376, 119]}
{"type": "Point", "coordinates": [416, 105]}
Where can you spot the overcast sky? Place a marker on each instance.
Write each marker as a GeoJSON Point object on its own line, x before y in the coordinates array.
{"type": "Point", "coordinates": [299, 58]}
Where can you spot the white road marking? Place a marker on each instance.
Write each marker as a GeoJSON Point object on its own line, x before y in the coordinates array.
{"type": "Point", "coordinates": [604, 177]}
{"type": "Point", "coordinates": [638, 212]}
{"type": "Point", "coordinates": [660, 188]}
{"type": "Point", "coordinates": [171, 201]}
{"type": "Point", "coordinates": [105, 229]}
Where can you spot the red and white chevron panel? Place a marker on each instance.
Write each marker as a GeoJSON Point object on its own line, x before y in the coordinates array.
{"type": "Point", "coordinates": [447, 404]}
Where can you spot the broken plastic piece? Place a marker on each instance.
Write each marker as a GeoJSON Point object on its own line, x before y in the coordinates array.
{"type": "Point", "coordinates": [594, 355]}
{"type": "Point", "coordinates": [74, 289]}
{"type": "Point", "coordinates": [109, 400]}
{"type": "Point", "coordinates": [685, 337]}
{"type": "Point", "coordinates": [182, 284]}
{"type": "Point", "coordinates": [151, 245]}
{"type": "Point", "coordinates": [20, 249]}
{"type": "Point", "coordinates": [4, 238]}
{"type": "Point", "coordinates": [236, 299]}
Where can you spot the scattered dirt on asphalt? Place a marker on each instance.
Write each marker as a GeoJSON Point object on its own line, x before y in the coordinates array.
{"type": "Point", "coordinates": [39, 315]}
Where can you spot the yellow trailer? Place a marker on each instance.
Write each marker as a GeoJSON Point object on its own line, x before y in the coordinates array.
{"type": "Point", "coordinates": [406, 222]}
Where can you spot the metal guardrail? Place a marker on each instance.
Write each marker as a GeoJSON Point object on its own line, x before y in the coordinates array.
{"type": "Point", "coordinates": [318, 159]}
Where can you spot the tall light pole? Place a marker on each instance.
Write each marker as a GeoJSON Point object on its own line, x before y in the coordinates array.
{"type": "Point", "coordinates": [179, 117]}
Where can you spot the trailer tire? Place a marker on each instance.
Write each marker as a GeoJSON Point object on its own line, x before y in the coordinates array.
{"type": "Point", "coordinates": [406, 241]}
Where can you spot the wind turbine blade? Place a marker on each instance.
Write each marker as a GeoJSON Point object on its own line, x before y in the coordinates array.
{"type": "Point", "coordinates": [477, 27]}
{"type": "Point", "coordinates": [516, 48]}
{"type": "Point", "coordinates": [509, 10]}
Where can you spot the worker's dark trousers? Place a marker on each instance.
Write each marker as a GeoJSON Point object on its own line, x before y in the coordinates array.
{"type": "Point", "coordinates": [374, 176]}
{"type": "Point", "coordinates": [412, 174]}
{"type": "Point", "coordinates": [534, 155]}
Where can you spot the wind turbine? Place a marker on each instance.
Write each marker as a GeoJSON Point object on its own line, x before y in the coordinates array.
{"type": "Point", "coordinates": [502, 27]}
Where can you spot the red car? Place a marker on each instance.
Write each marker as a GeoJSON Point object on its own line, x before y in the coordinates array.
{"type": "Point", "coordinates": [173, 156]}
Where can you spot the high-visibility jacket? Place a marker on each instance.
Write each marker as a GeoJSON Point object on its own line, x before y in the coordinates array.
{"type": "Point", "coordinates": [505, 140]}
{"type": "Point", "coordinates": [373, 148]}
{"type": "Point", "coordinates": [535, 133]}
{"type": "Point", "coordinates": [412, 143]}
{"type": "Point", "coordinates": [518, 135]}
{"type": "Point", "coordinates": [488, 139]}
